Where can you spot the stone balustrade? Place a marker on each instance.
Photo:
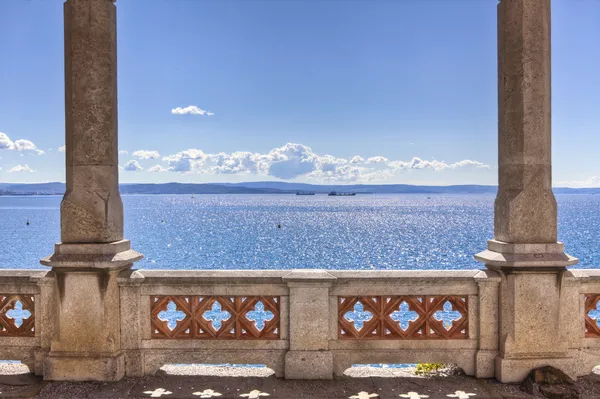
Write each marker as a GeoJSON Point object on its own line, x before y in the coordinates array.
{"type": "Point", "coordinates": [301, 323]}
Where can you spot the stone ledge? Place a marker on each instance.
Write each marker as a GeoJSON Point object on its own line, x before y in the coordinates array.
{"type": "Point", "coordinates": [215, 345]}
{"type": "Point", "coordinates": [116, 255]}
{"type": "Point", "coordinates": [405, 274]}
{"type": "Point", "coordinates": [210, 277]}
{"type": "Point", "coordinates": [309, 276]}
{"type": "Point", "coordinates": [79, 367]}
{"type": "Point", "coordinates": [500, 260]}
{"type": "Point", "coordinates": [402, 344]}
{"type": "Point", "coordinates": [517, 248]}
{"type": "Point", "coordinates": [526, 256]}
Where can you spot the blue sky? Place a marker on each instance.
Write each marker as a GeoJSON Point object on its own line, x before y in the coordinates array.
{"type": "Point", "coordinates": [377, 91]}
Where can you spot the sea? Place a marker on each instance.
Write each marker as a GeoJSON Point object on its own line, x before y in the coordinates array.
{"type": "Point", "coordinates": [364, 232]}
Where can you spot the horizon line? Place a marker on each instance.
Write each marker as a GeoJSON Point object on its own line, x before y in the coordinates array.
{"type": "Point", "coordinates": [312, 184]}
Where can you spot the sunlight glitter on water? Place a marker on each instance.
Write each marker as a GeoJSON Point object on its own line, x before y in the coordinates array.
{"type": "Point", "coordinates": [384, 232]}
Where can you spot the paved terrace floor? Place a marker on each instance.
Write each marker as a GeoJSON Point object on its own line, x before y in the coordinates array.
{"type": "Point", "coordinates": [361, 383]}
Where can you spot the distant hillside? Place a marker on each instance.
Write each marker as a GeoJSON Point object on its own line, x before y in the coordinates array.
{"type": "Point", "coordinates": [370, 188]}
{"type": "Point", "coordinates": [270, 187]}
{"type": "Point", "coordinates": [184, 188]}
{"type": "Point", "coordinates": [30, 189]}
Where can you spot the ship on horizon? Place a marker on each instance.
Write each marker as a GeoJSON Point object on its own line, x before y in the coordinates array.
{"type": "Point", "coordinates": [336, 194]}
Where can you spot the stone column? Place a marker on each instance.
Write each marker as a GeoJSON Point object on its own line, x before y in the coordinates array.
{"type": "Point", "coordinates": [309, 357]}
{"type": "Point", "coordinates": [87, 342]}
{"type": "Point", "coordinates": [525, 250]}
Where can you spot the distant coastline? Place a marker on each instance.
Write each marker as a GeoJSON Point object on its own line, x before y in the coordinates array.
{"type": "Point", "coordinates": [270, 187]}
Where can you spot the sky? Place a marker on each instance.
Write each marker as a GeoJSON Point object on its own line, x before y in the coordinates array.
{"type": "Point", "coordinates": [328, 91]}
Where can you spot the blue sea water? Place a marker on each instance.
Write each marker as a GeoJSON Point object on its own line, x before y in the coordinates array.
{"type": "Point", "coordinates": [385, 232]}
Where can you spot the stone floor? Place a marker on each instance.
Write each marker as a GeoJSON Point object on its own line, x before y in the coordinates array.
{"type": "Point", "coordinates": [172, 384]}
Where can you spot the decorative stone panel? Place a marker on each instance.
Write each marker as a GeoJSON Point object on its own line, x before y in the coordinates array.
{"type": "Point", "coordinates": [215, 317]}
{"type": "Point", "coordinates": [17, 315]}
{"type": "Point", "coordinates": [403, 317]}
{"type": "Point", "coordinates": [592, 315]}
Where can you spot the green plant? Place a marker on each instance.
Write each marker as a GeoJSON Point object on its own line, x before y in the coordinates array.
{"type": "Point", "coordinates": [428, 368]}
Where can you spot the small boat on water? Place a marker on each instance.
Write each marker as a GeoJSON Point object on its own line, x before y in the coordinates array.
{"type": "Point", "coordinates": [336, 194]}
{"type": "Point", "coordinates": [305, 193]}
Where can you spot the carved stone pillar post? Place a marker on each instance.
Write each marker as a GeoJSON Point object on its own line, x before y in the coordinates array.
{"type": "Point", "coordinates": [525, 249]}
{"type": "Point", "coordinates": [87, 342]}
{"type": "Point", "coordinates": [309, 357]}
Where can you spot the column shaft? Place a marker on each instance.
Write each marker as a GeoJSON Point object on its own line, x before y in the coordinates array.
{"type": "Point", "coordinates": [525, 208]}
{"type": "Point", "coordinates": [91, 210]}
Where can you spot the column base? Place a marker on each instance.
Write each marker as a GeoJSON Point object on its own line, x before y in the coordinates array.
{"type": "Point", "coordinates": [485, 363]}
{"type": "Point", "coordinates": [90, 367]}
{"type": "Point", "coordinates": [112, 255]}
{"type": "Point", "coordinates": [134, 363]}
{"type": "Point", "coordinates": [534, 307]}
{"type": "Point", "coordinates": [516, 370]}
{"type": "Point", "coordinates": [309, 365]}
{"type": "Point", "coordinates": [506, 256]}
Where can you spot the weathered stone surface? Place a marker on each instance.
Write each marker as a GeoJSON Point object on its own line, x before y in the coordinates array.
{"type": "Point", "coordinates": [91, 210]}
{"type": "Point", "coordinates": [79, 367]}
{"type": "Point", "coordinates": [532, 325]}
{"type": "Point", "coordinates": [309, 365]}
{"type": "Point", "coordinates": [91, 82]}
{"type": "Point", "coordinates": [525, 207]}
{"type": "Point", "coordinates": [309, 310]}
{"type": "Point", "coordinates": [88, 311]}
{"type": "Point", "coordinates": [87, 342]}
{"type": "Point", "coordinates": [484, 363]}
{"type": "Point", "coordinates": [115, 255]}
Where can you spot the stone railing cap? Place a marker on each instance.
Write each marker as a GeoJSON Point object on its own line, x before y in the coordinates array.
{"type": "Point", "coordinates": [309, 275]}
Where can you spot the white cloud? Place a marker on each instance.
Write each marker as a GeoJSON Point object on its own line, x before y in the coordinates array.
{"type": "Point", "coordinates": [293, 161]}
{"type": "Point", "coordinates": [20, 145]}
{"type": "Point", "coordinates": [145, 154]}
{"type": "Point", "coordinates": [5, 142]}
{"type": "Point", "coordinates": [133, 166]}
{"type": "Point", "coordinates": [26, 145]}
{"type": "Point", "coordinates": [62, 148]}
{"type": "Point", "coordinates": [158, 168]}
{"type": "Point", "coordinates": [418, 163]}
{"type": "Point", "coordinates": [593, 181]}
{"type": "Point", "coordinates": [123, 152]}
{"type": "Point", "coordinates": [190, 110]}
{"type": "Point", "coordinates": [377, 159]}
{"type": "Point", "coordinates": [21, 168]}
{"type": "Point", "coordinates": [186, 161]}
